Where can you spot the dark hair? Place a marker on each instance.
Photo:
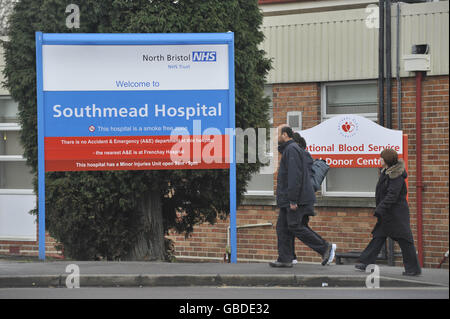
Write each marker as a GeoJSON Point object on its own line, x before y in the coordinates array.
{"type": "Point", "coordinates": [288, 131]}
{"type": "Point", "coordinates": [299, 140]}
{"type": "Point", "coordinates": [390, 156]}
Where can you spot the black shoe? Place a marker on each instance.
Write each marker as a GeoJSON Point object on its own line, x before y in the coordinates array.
{"type": "Point", "coordinates": [279, 264]}
{"type": "Point", "coordinates": [412, 273]}
{"type": "Point", "coordinates": [361, 267]}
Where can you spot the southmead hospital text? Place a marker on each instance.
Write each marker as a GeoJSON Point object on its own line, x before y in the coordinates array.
{"type": "Point", "coordinates": [93, 111]}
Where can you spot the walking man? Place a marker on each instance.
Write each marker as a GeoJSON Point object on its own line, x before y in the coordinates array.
{"type": "Point", "coordinates": [296, 198]}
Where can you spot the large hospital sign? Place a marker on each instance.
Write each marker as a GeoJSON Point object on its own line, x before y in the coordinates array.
{"type": "Point", "coordinates": [140, 106]}
{"type": "Point", "coordinates": [135, 102]}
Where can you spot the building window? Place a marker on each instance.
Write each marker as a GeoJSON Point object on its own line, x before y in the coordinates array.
{"type": "Point", "coordinates": [15, 175]}
{"type": "Point", "coordinates": [261, 183]}
{"type": "Point", "coordinates": [16, 188]}
{"type": "Point", "coordinates": [350, 98]}
{"type": "Point", "coordinates": [8, 110]}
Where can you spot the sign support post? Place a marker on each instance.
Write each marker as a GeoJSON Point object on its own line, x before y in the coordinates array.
{"type": "Point", "coordinates": [233, 227]}
{"type": "Point", "coordinates": [41, 149]}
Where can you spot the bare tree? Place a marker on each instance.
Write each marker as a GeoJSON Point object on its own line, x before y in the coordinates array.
{"type": "Point", "coordinates": [6, 7]}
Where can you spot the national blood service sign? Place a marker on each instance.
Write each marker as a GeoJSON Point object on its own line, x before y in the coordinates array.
{"type": "Point", "coordinates": [352, 141]}
{"type": "Point", "coordinates": [135, 102]}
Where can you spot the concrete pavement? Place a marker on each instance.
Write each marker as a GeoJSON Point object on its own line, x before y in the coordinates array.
{"type": "Point", "coordinates": [15, 273]}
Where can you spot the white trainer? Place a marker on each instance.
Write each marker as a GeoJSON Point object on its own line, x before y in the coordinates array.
{"type": "Point", "coordinates": [332, 254]}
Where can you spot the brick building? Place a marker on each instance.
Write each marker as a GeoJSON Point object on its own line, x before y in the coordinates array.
{"type": "Point", "coordinates": [325, 63]}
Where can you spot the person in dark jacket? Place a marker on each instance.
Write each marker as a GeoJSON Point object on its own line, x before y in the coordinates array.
{"type": "Point", "coordinates": [392, 212]}
{"type": "Point", "coordinates": [302, 143]}
{"type": "Point", "coordinates": [299, 140]}
{"type": "Point", "coordinates": [296, 198]}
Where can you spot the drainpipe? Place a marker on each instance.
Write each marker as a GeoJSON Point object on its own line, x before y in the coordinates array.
{"type": "Point", "coordinates": [388, 66]}
{"type": "Point", "coordinates": [381, 63]}
{"type": "Point", "coordinates": [391, 257]}
{"type": "Point", "coordinates": [399, 82]}
{"type": "Point", "coordinates": [419, 184]}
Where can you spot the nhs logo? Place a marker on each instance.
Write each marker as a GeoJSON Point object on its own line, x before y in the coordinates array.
{"type": "Point", "coordinates": [204, 56]}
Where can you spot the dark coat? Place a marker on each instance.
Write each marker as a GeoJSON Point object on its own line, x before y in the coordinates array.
{"type": "Point", "coordinates": [294, 181]}
{"type": "Point", "coordinates": [392, 208]}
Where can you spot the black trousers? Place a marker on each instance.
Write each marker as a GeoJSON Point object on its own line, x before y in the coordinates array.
{"type": "Point", "coordinates": [294, 223]}
{"type": "Point", "coordinates": [410, 260]}
{"type": "Point", "coordinates": [305, 221]}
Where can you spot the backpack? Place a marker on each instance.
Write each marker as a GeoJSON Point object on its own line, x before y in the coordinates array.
{"type": "Point", "coordinates": [319, 171]}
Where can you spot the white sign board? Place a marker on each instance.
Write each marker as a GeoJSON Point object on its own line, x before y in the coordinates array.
{"type": "Point", "coordinates": [135, 67]}
{"type": "Point", "coordinates": [351, 141]}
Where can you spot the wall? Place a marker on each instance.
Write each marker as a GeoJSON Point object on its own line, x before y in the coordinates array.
{"type": "Point", "coordinates": [435, 159]}
{"type": "Point", "coordinates": [349, 228]}
{"type": "Point", "coordinates": [339, 45]}
{"type": "Point", "coordinates": [30, 248]}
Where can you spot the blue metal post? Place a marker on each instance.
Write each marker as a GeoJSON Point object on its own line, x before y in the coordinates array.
{"type": "Point", "coordinates": [233, 235]}
{"type": "Point", "coordinates": [41, 157]}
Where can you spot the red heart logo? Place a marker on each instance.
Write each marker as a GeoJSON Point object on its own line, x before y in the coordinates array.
{"type": "Point", "coordinates": [346, 127]}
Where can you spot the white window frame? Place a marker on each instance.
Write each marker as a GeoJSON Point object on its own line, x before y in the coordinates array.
{"type": "Point", "coordinates": [23, 195]}
{"type": "Point", "coordinates": [343, 194]}
{"type": "Point", "coordinates": [323, 100]}
{"type": "Point", "coordinates": [13, 158]}
{"type": "Point", "coordinates": [325, 116]}
{"type": "Point", "coordinates": [264, 193]}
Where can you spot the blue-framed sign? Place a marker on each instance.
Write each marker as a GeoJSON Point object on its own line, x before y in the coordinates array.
{"type": "Point", "coordinates": [135, 102]}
